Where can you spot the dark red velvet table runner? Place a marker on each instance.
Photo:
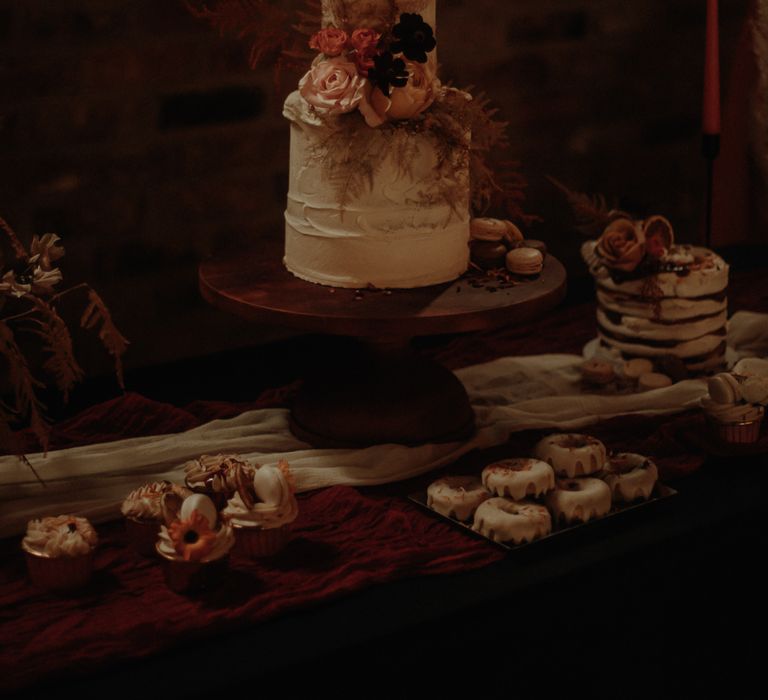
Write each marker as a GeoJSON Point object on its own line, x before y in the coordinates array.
{"type": "Point", "coordinates": [345, 539]}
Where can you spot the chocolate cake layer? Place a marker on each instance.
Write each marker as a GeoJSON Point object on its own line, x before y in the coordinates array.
{"type": "Point", "coordinates": [711, 361]}
{"type": "Point", "coordinates": [667, 309]}
{"type": "Point", "coordinates": [686, 349]}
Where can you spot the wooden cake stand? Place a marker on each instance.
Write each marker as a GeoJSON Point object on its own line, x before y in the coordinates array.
{"type": "Point", "coordinates": [380, 390]}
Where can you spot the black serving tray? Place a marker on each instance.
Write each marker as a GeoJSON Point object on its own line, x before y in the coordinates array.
{"type": "Point", "coordinates": [661, 494]}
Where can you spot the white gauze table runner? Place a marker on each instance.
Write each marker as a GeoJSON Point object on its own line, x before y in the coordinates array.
{"type": "Point", "coordinates": [507, 395]}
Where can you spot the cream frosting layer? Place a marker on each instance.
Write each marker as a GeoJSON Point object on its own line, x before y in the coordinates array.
{"type": "Point", "coordinates": [456, 496]}
{"type": "Point", "coordinates": [396, 234]}
{"type": "Point", "coordinates": [275, 506]}
{"type": "Point", "coordinates": [704, 345]}
{"type": "Point", "coordinates": [647, 329]}
{"type": "Point", "coordinates": [502, 520]}
{"type": "Point", "coordinates": [673, 309]}
{"type": "Point", "coordinates": [60, 536]}
{"type": "Point", "coordinates": [144, 503]}
{"type": "Point", "coordinates": [630, 476]}
{"type": "Point", "coordinates": [579, 500]}
{"type": "Point", "coordinates": [519, 478]}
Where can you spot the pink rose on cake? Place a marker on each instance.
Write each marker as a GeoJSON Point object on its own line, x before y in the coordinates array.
{"type": "Point", "coordinates": [330, 41]}
{"type": "Point", "coordinates": [334, 87]}
{"type": "Point", "coordinates": [622, 245]}
{"type": "Point", "coordinates": [364, 43]}
{"type": "Point", "coordinates": [406, 102]}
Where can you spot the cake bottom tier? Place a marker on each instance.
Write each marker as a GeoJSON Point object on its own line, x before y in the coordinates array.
{"type": "Point", "coordinates": [400, 260]}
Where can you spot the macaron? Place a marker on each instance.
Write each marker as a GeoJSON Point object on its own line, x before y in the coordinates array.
{"type": "Point", "coordinates": [486, 229]}
{"type": "Point", "coordinates": [533, 243]}
{"type": "Point", "coordinates": [597, 372]}
{"type": "Point", "coordinates": [488, 254]}
{"type": "Point", "coordinates": [635, 368]}
{"type": "Point", "coordinates": [525, 261]}
{"type": "Point", "coordinates": [723, 388]}
{"type": "Point", "coordinates": [653, 380]}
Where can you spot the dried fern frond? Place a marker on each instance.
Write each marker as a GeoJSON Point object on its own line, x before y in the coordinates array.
{"type": "Point", "coordinates": [57, 342]}
{"type": "Point", "coordinates": [18, 249]}
{"type": "Point", "coordinates": [97, 316]}
{"type": "Point", "coordinates": [26, 403]}
{"type": "Point", "coordinates": [592, 213]}
{"type": "Point", "coordinates": [276, 33]}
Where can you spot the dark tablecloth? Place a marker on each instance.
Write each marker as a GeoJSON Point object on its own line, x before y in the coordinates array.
{"type": "Point", "coordinates": [344, 540]}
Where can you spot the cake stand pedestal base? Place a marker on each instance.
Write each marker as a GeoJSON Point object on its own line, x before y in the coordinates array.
{"type": "Point", "coordinates": [380, 392]}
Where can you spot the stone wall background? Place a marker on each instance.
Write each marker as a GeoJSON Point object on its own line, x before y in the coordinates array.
{"type": "Point", "coordinates": [143, 139]}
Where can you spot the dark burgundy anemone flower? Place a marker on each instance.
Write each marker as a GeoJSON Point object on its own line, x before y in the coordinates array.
{"type": "Point", "coordinates": [413, 37]}
{"type": "Point", "coordinates": [388, 71]}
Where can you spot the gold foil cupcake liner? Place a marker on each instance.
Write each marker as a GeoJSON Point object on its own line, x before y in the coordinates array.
{"type": "Point", "coordinates": [192, 576]}
{"type": "Point", "coordinates": [738, 432]}
{"type": "Point", "coordinates": [142, 535]}
{"type": "Point", "coordinates": [257, 542]}
{"type": "Point", "coordinates": [58, 573]}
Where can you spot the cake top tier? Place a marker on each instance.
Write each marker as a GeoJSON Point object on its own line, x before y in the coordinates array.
{"type": "Point", "coordinates": [373, 14]}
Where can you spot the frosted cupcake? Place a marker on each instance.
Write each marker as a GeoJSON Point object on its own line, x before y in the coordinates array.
{"type": "Point", "coordinates": [735, 407]}
{"type": "Point", "coordinates": [194, 544]}
{"type": "Point", "coordinates": [143, 513]}
{"type": "Point", "coordinates": [60, 552]}
{"type": "Point", "coordinates": [262, 512]}
{"type": "Point", "coordinates": [218, 476]}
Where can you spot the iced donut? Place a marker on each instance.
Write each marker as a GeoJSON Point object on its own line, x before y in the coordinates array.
{"type": "Point", "coordinates": [518, 478]}
{"type": "Point", "coordinates": [571, 454]}
{"type": "Point", "coordinates": [502, 520]}
{"type": "Point", "coordinates": [456, 496]}
{"type": "Point", "coordinates": [630, 476]}
{"type": "Point", "coordinates": [579, 500]}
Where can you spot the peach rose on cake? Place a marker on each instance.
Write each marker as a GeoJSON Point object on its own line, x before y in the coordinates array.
{"type": "Point", "coordinates": [622, 245]}
{"type": "Point", "coordinates": [410, 100]}
{"type": "Point", "coordinates": [330, 41]}
{"type": "Point", "coordinates": [334, 87]}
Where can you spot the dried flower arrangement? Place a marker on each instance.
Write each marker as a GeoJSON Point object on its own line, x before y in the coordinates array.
{"type": "Point", "coordinates": [372, 80]}
{"type": "Point", "coordinates": [28, 279]}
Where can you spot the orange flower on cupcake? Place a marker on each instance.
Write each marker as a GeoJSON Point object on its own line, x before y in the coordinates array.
{"type": "Point", "coordinates": [193, 539]}
{"type": "Point", "coordinates": [622, 245]}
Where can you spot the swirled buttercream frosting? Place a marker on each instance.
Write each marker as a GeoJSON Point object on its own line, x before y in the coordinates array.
{"type": "Point", "coordinates": [60, 536]}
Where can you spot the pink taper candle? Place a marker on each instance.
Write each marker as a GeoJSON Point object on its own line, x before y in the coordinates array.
{"type": "Point", "coordinates": [711, 120]}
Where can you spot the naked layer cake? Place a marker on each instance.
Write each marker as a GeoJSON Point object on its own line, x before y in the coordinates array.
{"type": "Point", "coordinates": [657, 299]}
{"type": "Point", "coordinates": [379, 187]}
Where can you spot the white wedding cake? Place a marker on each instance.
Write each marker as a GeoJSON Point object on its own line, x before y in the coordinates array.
{"type": "Point", "coordinates": [379, 161]}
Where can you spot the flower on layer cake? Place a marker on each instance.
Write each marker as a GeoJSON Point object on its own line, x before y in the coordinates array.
{"type": "Point", "coordinates": [334, 86]}
{"type": "Point", "coordinates": [413, 37]}
{"type": "Point", "coordinates": [330, 41]}
{"type": "Point", "coordinates": [622, 245]}
{"type": "Point", "coordinates": [385, 77]}
{"type": "Point", "coordinates": [406, 101]}
{"type": "Point", "coordinates": [626, 243]}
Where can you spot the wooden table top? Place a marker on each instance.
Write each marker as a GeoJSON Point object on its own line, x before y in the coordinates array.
{"type": "Point", "coordinates": [255, 285]}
